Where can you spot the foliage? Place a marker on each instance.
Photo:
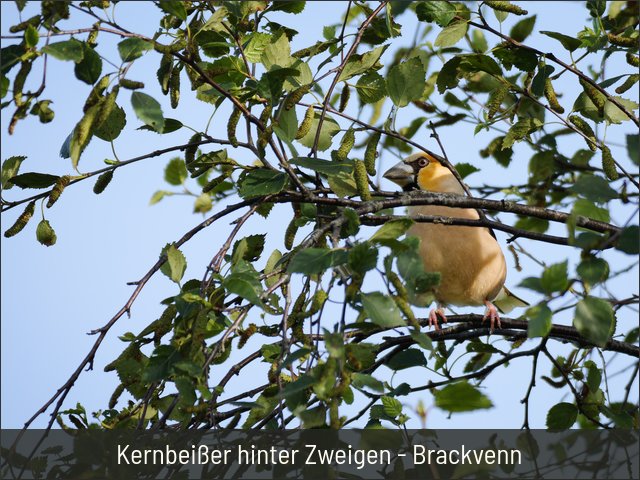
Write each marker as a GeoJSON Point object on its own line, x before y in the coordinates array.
{"type": "Point", "coordinates": [298, 134]}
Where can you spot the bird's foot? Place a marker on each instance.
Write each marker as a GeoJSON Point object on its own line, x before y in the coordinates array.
{"type": "Point", "coordinates": [492, 315]}
{"type": "Point", "coordinates": [433, 317]}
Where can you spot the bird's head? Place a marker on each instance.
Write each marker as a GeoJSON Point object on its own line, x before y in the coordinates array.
{"type": "Point", "coordinates": [424, 172]}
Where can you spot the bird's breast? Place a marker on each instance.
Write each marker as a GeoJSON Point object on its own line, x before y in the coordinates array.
{"type": "Point", "coordinates": [470, 261]}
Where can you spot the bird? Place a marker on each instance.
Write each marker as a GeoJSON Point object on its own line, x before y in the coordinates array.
{"type": "Point", "coordinates": [469, 259]}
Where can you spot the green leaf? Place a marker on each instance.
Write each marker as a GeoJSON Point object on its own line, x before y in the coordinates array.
{"type": "Point", "coordinates": [132, 48]}
{"type": "Point", "coordinates": [391, 406]}
{"type": "Point", "coordinates": [110, 129]}
{"type": "Point", "coordinates": [360, 380]}
{"type": "Point", "coordinates": [411, 357]}
{"type": "Point", "coordinates": [4, 86]}
{"type": "Point", "coordinates": [90, 67]}
{"type": "Point", "coordinates": [519, 57]}
{"type": "Point", "coordinates": [255, 47]}
{"type": "Point", "coordinates": [451, 34]}
{"type": "Point", "coordinates": [422, 340]}
{"type": "Point", "coordinates": [521, 30]}
{"type": "Point", "coordinates": [371, 87]}
{"type": "Point", "coordinates": [33, 180]}
{"type": "Point", "coordinates": [539, 320]}
{"type": "Point", "coordinates": [562, 416]}
{"type": "Point", "coordinates": [174, 7]}
{"type": "Point", "coordinates": [593, 270]}
{"type": "Point", "coordinates": [175, 173]}
{"type": "Point", "coordinates": [594, 188]}
{"type": "Point", "coordinates": [10, 168]}
{"type": "Point", "coordinates": [448, 75]}
{"type": "Point", "coordinates": [288, 6]}
{"type": "Point", "coordinates": [569, 43]}
{"type": "Point", "coordinates": [633, 147]}
{"type": "Point", "coordinates": [392, 230]}
{"type": "Point", "coordinates": [466, 169]}
{"type": "Point", "coordinates": [249, 248]}
{"type": "Point", "coordinates": [594, 376]}
{"type": "Point", "coordinates": [594, 319]}
{"type": "Point", "coordinates": [31, 36]}
{"type": "Point", "coordinates": [262, 181]}
{"type": "Point", "coordinates": [436, 11]}
{"type": "Point", "coordinates": [67, 50]}
{"type": "Point", "coordinates": [613, 114]}
{"type": "Point", "coordinates": [213, 44]}
{"type": "Point", "coordinates": [342, 184]}
{"type": "Point", "coordinates": [554, 278]}
{"type": "Point", "coordinates": [405, 82]}
{"type": "Point", "coordinates": [286, 125]}
{"type": "Point", "coordinates": [358, 64]}
{"type": "Point", "coordinates": [382, 310]}
{"type": "Point", "coordinates": [314, 417]}
{"type": "Point", "coordinates": [148, 110]}
{"type": "Point", "coordinates": [588, 209]}
{"type": "Point", "coordinates": [362, 257]}
{"type": "Point", "coordinates": [175, 265]}
{"type": "Point", "coordinates": [329, 129]}
{"type": "Point", "coordinates": [170, 125]}
{"type": "Point", "coordinates": [244, 283]}
{"type": "Point", "coordinates": [277, 52]}
{"type": "Point", "coordinates": [10, 57]}
{"type": "Point", "coordinates": [311, 261]}
{"type": "Point", "coordinates": [461, 397]}
{"type": "Point", "coordinates": [629, 240]}
{"type": "Point", "coordinates": [325, 167]}
{"type": "Point", "coordinates": [478, 62]}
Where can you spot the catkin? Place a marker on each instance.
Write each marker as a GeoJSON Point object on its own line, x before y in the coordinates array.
{"type": "Point", "coordinates": [265, 115]}
{"type": "Point", "coordinates": [113, 400]}
{"type": "Point", "coordinates": [57, 190]}
{"type": "Point", "coordinates": [633, 60]}
{"type": "Point", "coordinates": [214, 182]}
{"type": "Point", "coordinates": [344, 98]}
{"type": "Point", "coordinates": [609, 164]}
{"type": "Point", "coordinates": [305, 126]}
{"type": "Point", "coordinates": [586, 129]}
{"type": "Point", "coordinates": [164, 72]}
{"type": "Point", "coordinates": [294, 97]}
{"type": "Point", "coordinates": [21, 221]}
{"type": "Point", "coordinates": [371, 152]}
{"type": "Point", "coordinates": [622, 41]}
{"type": "Point", "coordinates": [550, 95]}
{"type": "Point", "coordinates": [192, 148]}
{"type": "Point", "coordinates": [96, 93]}
{"type": "Point", "coordinates": [106, 107]}
{"type": "Point", "coordinates": [232, 125]}
{"type": "Point", "coordinates": [362, 180]}
{"type": "Point", "coordinates": [506, 7]}
{"type": "Point", "coordinates": [174, 87]}
{"type": "Point", "coordinates": [131, 84]}
{"type": "Point", "coordinates": [102, 182]}
{"type": "Point", "coordinates": [628, 83]}
{"type": "Point", "coordinates": [290, 234]}
{"type": "Point", "coordinates": [18, 82]}
{"type": "Point", "coordinates": [594, 95]}
{"type": "Point", "coordinates": [346, 144]}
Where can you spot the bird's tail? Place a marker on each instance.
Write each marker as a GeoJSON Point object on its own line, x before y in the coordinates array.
{"type": "Point", "coordinates": [507, 301]}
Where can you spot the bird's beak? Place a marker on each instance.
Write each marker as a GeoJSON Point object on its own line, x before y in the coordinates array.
{"type": "Point", "coordinates": [400, 174]}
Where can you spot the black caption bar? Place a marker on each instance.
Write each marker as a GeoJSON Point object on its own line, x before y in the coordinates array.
{"type": "Point", "coordinates": [320, 454]}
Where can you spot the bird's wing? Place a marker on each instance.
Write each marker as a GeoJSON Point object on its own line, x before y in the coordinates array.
{"type": "Point", "coordinates": [507, 301]}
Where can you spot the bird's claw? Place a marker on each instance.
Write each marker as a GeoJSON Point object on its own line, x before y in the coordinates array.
{"type": "Point", "coordinates": [433, 318]}
{"type": "Point", "coordinates": [492, 315]}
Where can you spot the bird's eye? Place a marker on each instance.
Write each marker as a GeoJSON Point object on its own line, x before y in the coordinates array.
{"type": "Point", "coordinates": [423, 162]}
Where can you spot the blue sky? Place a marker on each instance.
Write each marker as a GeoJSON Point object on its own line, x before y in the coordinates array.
{"type": "Point", "coordinates": [51, 297]}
